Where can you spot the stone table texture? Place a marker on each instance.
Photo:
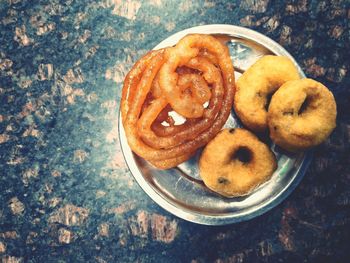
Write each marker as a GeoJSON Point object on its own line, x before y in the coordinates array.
{"type": "Point", "coordinates": [66, 194]}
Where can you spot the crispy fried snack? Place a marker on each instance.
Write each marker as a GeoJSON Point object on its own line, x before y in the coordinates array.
{"type": "Point", "coordinates": [302, 114]}
{"type": "Point", "coordinates": [184, 78]}
{"type": "Point", "coordinates": [255, 86]}
{"type": "Point", "coordinates": [235, 162]}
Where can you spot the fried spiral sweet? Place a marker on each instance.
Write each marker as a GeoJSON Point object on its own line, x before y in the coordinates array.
{"type": "Point", "coordinates": [255, 86]}
{"type": "Point", "coordinates": [235, 162]}
{"type": "Point", "coordinates": [197, 70]}
{"type": "Point", "coordinates": [302, 114]}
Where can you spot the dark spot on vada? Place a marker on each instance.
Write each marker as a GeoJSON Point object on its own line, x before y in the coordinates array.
{"type": "Point", "coordinates": [288, 112]}
{"type": "Point", "coordinates": [223, 180]}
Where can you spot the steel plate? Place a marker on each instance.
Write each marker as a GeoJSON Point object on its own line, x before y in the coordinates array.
{"type": "Point", "coordinates": [181, 190]}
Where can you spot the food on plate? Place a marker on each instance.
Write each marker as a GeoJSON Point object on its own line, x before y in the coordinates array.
{"type": "Point", "coordinates": [302, 114]}
{"type": "Point", "coordinates": [257, 84]}
{"type": "Point", "coordinates": [235, 162]}
{"type": "Point", "coordinates": [211, 75]}
{"type": "Point", "coordinates": [176, 100]}
{"type": "Point", "coordinates": [194, 79]}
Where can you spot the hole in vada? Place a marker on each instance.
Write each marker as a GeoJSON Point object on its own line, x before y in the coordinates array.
{"type": "Point", "coordinates": [268, 100]}
{"type": "Point", "coordinates": [243, 154]}
{"type": "Point", "coordinates": [231, 130]}
{"type": "Point", "coordinates": [304, 106]}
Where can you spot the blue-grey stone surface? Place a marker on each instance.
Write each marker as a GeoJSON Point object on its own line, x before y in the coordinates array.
{"type": "Point", "coordinates": [66, 194]}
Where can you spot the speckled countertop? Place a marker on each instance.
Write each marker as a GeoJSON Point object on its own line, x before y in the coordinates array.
{"type": "Point", "coordinates": [66, 194]}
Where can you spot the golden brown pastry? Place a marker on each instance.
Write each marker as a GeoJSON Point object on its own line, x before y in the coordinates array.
{"type": "Point", "coordinates": [235, 162]}
{"type": "Point", "coordinates": [302, 114]}
{"type": "Point", "coordinates": [255, 86]}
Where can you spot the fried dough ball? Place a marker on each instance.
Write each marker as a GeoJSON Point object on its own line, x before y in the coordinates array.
{"type": "Point", "coordinates": [257, 84]}
{"type": "Point", "coordinates": [235, 162]}
{"type": "Point", "coordinates": [302, 114]}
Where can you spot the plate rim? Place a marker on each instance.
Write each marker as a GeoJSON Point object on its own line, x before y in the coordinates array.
{"type": "Point", "coordinates": [194, 216]}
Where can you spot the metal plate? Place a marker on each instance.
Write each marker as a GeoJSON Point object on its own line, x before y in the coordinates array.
{"type": "Point", "coordinates": [181, 190]}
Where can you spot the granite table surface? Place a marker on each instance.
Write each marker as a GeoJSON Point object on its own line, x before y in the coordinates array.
{"type": "Point", "coordinates": [66, 194]}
